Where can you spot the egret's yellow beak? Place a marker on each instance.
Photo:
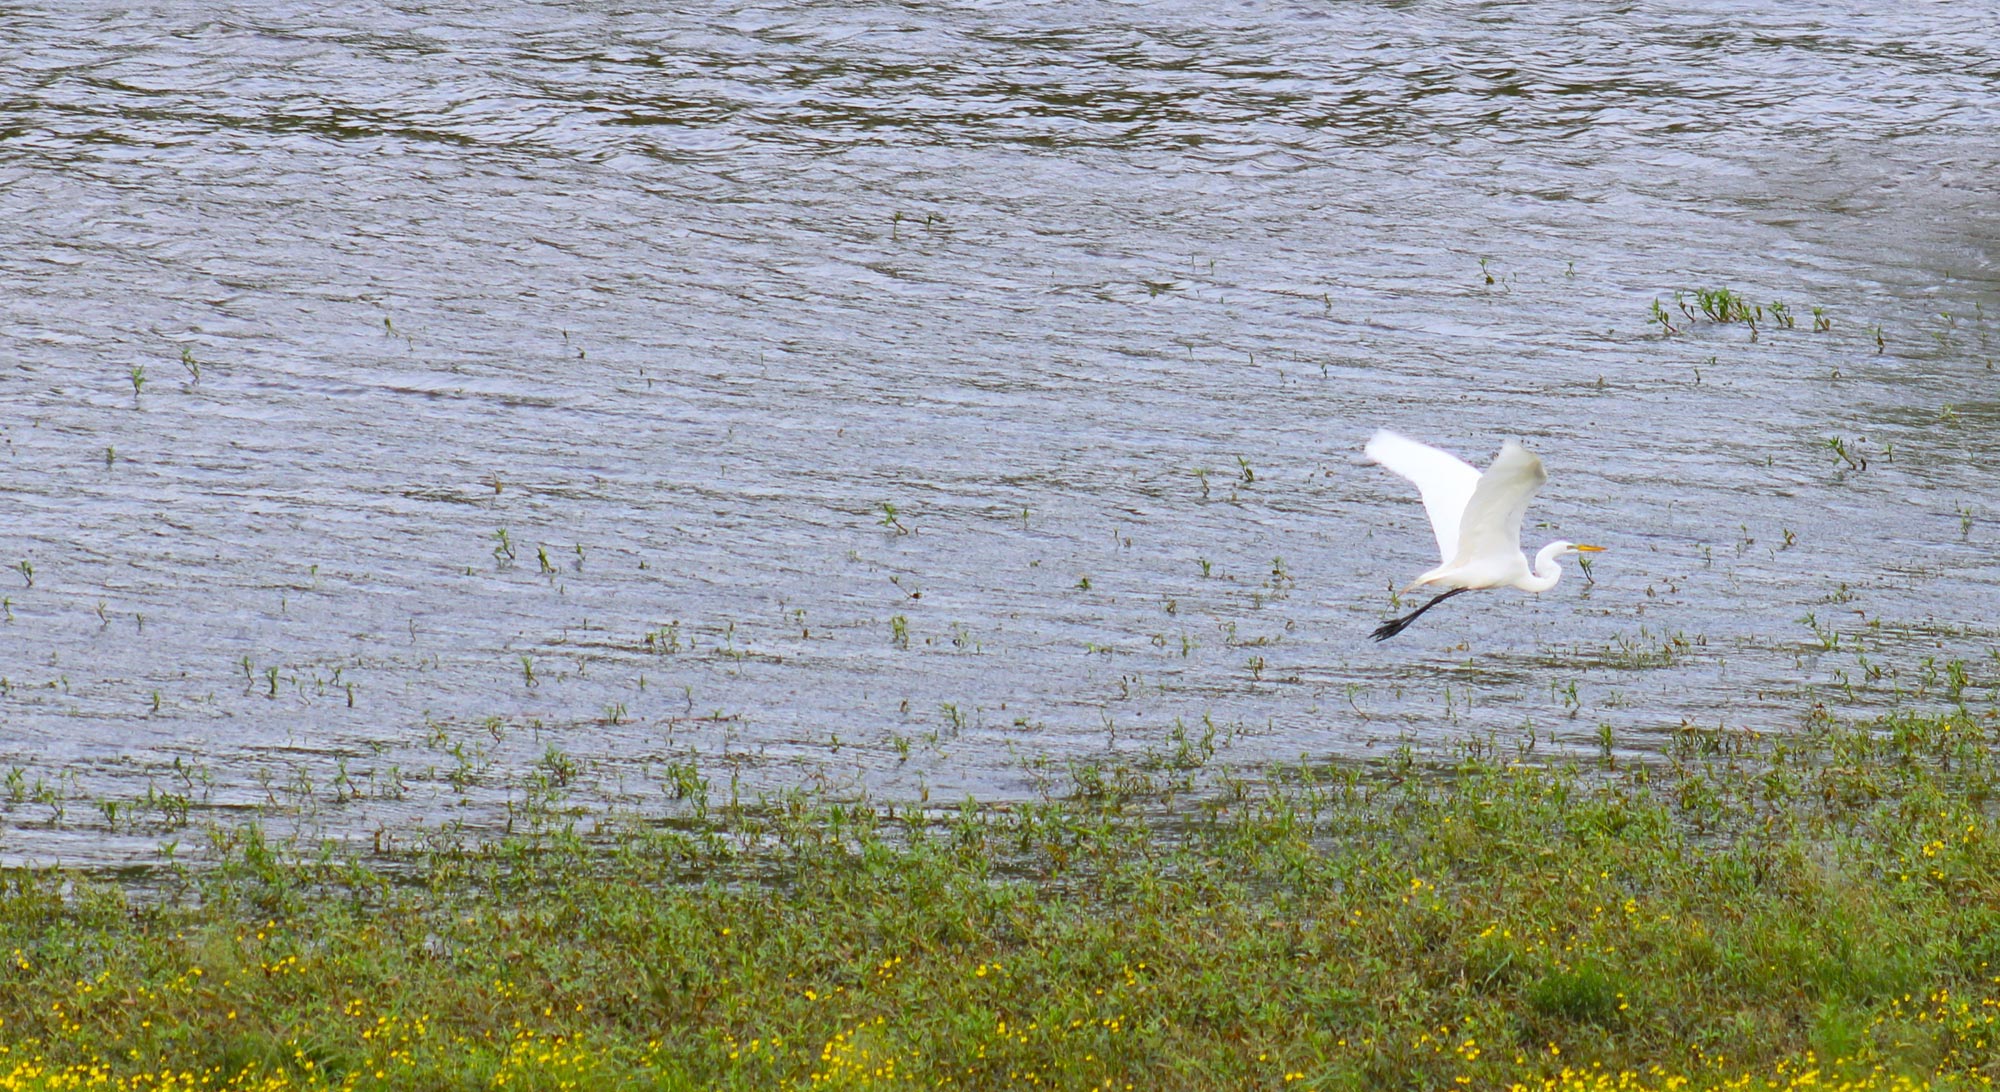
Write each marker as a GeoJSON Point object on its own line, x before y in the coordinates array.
{"type": "Point", "coordinates": [1589, 549]}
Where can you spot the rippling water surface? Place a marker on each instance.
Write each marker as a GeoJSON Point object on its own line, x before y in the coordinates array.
{"type": "Point", "coordinates": [917, 398]}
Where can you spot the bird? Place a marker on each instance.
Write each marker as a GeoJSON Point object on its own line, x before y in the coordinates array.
{"type": "Point", "coordinates": [1477, 520]}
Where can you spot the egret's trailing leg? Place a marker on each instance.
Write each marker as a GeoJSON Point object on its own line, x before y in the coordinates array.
{"type": "Point", "coordinates": [1397, 625]}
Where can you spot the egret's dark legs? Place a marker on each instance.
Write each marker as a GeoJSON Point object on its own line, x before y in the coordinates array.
{"type": "Point", "coordinates": [1397, 625]}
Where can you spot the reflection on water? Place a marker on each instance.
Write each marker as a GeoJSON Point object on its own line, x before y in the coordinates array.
{"type": "Point", "coordinates": [921, 398]}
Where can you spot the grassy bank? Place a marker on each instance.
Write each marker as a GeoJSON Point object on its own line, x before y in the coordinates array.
{"type": "Point", "coordinates": [1741, 912]}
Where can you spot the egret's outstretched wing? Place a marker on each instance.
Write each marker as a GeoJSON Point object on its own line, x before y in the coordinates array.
{"type": "Point", "coordinates": [1491, 528]}
{"type": "Point", "coordinates": [1444, 480]}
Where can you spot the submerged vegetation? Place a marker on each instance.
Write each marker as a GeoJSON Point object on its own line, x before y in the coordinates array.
{"type": "Point", "coordinates": [1741, 911]}
{"type": "Point", "coordinates": [1722, 305]}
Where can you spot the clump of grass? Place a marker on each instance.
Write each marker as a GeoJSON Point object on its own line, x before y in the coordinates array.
{"type": "Point", "coordinates": [1580, 994]}
{"type": "Point", "coordinates": [1724, 305]}
{"type": "Point", "coordinates": [1741, 909]}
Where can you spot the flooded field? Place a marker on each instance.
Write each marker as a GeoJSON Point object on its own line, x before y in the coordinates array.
{"type": "Point", "coordinates": [402, 407]}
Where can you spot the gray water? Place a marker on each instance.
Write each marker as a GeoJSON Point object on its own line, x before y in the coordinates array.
{"type": "Point", "coordinates": [1103, 299]}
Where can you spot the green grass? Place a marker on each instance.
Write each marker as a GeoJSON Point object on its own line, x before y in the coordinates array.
{"type": "Point", "coordinates": [1820, 903]}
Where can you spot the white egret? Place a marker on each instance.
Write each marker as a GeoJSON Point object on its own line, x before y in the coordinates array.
{"type": "Point", "coordinates": [1477, 520]}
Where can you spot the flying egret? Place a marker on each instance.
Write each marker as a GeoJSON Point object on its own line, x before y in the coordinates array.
{"type": "Point", "coordinates": [1477, 520]}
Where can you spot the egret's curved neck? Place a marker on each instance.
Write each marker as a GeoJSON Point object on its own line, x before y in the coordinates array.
{"type": "Point", "coordinates": [1546, 573]}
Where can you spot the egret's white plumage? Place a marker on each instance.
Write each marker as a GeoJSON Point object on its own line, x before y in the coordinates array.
{"type": "Point", "coordinates": [1444, 480]}
{"type": "Point", "coordinates": [1476, 517]}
